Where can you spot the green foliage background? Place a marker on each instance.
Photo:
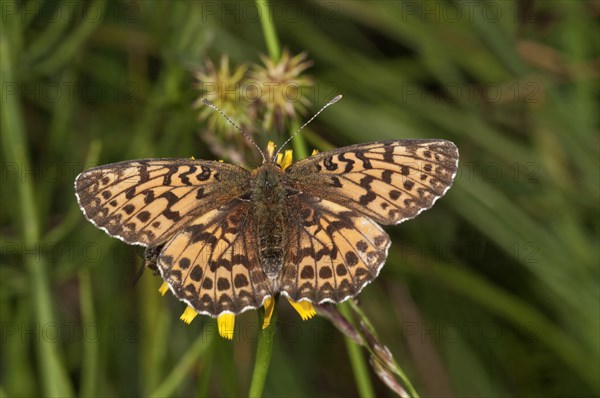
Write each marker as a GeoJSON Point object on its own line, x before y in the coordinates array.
{"type": "Point", "coordinates": [494, 292]}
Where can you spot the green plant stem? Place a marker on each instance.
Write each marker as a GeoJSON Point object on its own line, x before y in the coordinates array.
{"type": "Point", "coordinates": [207, 370]}
{"type": "Point", "coordinates": [266, 20]}
{"type": "Point", "coordinates": [154, 331]}
{"type": "Point", "coordinates": [359, 366]}
{"type": "Point", "coordinates": [89, 368]}
{"type": "Point", "coordinates": [263, 355]}
{"type": "Point", "coordinates": [54, 376]}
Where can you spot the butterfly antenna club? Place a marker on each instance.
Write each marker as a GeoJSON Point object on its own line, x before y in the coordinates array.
{"type": "Point", "coordinates": [331, 102]}
{"type": "Point", "coordinates": [205, 101]}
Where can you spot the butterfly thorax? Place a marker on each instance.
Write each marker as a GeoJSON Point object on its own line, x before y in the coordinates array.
{"type": "Point", "coordinates": [268, 197]}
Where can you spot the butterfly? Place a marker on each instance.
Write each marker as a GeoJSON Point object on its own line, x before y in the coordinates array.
{"type": "Point", "coordinates": [226, 238]}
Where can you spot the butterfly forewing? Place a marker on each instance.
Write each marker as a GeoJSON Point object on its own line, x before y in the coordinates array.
{"type": "Point", "coordinates": [389, 181]}
{"type": "Point", "coordinates": [333, 252]}
{"type": "Point", "coordinates": [147, 201]}
{"type": "Point", "coordinates": [212, 264]}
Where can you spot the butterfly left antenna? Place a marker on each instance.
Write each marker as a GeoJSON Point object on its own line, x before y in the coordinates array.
{"type": "Point", "coordinates": [213, 106]}
{"type": "Point", "coordinates": [331, 102]}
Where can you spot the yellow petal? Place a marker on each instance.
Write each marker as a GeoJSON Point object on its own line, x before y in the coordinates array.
{"type": "Point", "coordinates": [270, 149]}
{"type": "Point", "coordinates": [188, 315]}
{"type": "Point", "coordinates": [304, 308]}
{"type": "Point", "coordinates": [269, 307]}
{"type": "Point", "coordinates": [163, 289]}
{"type": "Point", "coordinates": [226, 323]}
{"type": "Point", "coordinates": [314, 152]}
{"type": "Point", "coordinates": [193, 158]}
{"type": "Point", "coordinates": [287, 159]}
{"type": "Point", "coordinates": [220, 160]}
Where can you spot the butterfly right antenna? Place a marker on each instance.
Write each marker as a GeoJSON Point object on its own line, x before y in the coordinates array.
{"type": "Point", "coordinates": [213, 106]}
{"type": "Point", "coordinates": [331, 102]}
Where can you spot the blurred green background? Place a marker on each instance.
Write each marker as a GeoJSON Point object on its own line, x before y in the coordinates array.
{"type": "Point", "coordinates": [492, 293]}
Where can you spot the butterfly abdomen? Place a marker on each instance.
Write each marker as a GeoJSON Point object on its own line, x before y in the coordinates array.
{"type": "Point", "coordinates": [268, 206]}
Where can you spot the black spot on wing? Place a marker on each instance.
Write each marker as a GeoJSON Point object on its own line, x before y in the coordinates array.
{"type": "Point", "coordinates": [367, 198]}
{"type": "Point", "coordinates": [223, 284]}
{"type": "Point", "coordinates": [184, 263]}
{"type": "Point", "coordinates": [129, 208]}
{"type": "Point", "coordinates": [207, 283]}
{"type": "Point", "coordinates": [196, 273]}
{"type": "Point", "coordinates": [148, 196]}
{"type": "Point", "coordinates": [240, 281]}
{"type": "Point", "coordinates": [325, 272]}
{"type": "Point", "coordinates": [351, 258]}
{"type": "Point", "coordinates": [130, 192]}
{"type": "Point", "coordinates": [143, 216]}
{"type": "Point", "coordinates": [307, 272]}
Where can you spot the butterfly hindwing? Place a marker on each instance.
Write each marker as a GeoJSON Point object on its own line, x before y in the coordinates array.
{"type": "Point", "coordinates": [333, 251]}
{"type": "Point", "coordinates": [389, 181]}
{"type": "Point", "coordinates": [147, 201]}
{"type": "Point", "coordinates": [213, 265]}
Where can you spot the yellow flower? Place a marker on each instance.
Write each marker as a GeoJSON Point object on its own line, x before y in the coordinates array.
{"type": "Point", "coordinates": [188, 315]}
{"type": "Point", "coordinates": [304, 308]}
{"type": "Point", "coordinates": [226, 321]}
{"type": "Point", "coordinates": [269, 308]}
{"type": "Point", "coordinates": [285, 160]}
{"type": "Point", "coordinates": [226, 324]}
